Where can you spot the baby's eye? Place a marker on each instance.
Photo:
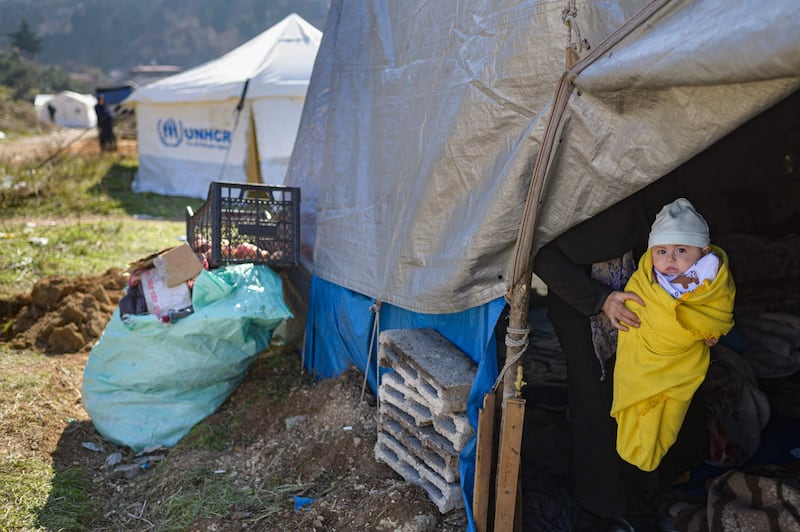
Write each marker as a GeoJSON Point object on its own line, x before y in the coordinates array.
{"type": "Point", "coordinates": [681, 250]}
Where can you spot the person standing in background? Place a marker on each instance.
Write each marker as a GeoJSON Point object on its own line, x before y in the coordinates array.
{"type": "Point", "coordinates": [105, 125]}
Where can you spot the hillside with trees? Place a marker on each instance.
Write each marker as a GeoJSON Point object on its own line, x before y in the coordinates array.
{"type": "Point", "coordinates": [51, 45]}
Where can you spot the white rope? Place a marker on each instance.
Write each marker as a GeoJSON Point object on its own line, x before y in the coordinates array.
{"type": "Point", "coordinates": [511, 342]}
{"type": "Point", "coordinates": [569, 17]}
{"type": "Point", "coordinates": [376, 327]}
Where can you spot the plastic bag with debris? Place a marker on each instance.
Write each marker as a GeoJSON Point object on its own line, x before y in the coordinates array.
{"type": "Point", "coordinates": [147, 383]}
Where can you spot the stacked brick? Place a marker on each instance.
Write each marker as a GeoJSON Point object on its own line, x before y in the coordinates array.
{"type": "Point", "coordinates": [423, 423]}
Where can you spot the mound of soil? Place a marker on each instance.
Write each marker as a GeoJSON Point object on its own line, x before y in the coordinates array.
{"type": "Point", "coordinates": [63, 315]}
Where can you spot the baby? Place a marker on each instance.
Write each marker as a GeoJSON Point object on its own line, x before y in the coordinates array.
{"type": "Point", "coordinates": [688, 291]}
{"type": "Point", "coordinates": [682, 256]}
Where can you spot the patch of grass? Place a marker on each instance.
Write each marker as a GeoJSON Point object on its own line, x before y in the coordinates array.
{"type": "Point", "coordinates": [69, 506]}
{"type": "Point", "coordinates": [203, 494]}
{"type": "Point", "coordinates": [24, 487]}
{"type": "Point", "coordinates": [31, 251]}
{"type": "Point", "coordinates": [77, 216]}
{"type": "Point", "coordinates": [205, 436]}
{"type": "Point", "coordinates": [18, 118]}
{"type": "Point", "coordinates": [37, 399]}
{"type": "Point", "coordinates": [82, 187]}
{"type": "Point", "coordinates": [116, 184]}
{"type": "Point", "coordinates": [33, 496]}
{"type": "Point", "coordinates": [22, 384]}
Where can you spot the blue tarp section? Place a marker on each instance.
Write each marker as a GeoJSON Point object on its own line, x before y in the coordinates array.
{"type": "Point", "coordinates": [114, 95]}
{"type": "Point", "coordinates": [338, 332]}
{"type": "Point", "coordinates": [147, 383]}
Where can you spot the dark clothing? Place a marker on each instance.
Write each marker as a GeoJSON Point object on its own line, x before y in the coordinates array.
{"type": "Point", "coordinates": [601, 482]}
{"type": "Point", "coordinates": [105, 127]}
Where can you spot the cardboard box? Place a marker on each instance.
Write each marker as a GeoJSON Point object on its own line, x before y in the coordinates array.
{"type": "Point", "coordinates": [176, 265]}
{"type": "Point", "coordinates": [179, 264]}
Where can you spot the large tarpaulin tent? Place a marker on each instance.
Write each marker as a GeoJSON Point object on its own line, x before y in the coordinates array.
{"type": "Point", "coordinates": [231, 119]}
{"type": "Point", "coordinates": [425, 124]}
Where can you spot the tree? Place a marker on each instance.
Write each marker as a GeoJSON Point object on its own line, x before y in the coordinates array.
{"type": "Point", "coordinates": [26, 40]}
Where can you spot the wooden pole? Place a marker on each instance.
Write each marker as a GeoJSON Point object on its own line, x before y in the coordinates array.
{"type": "Point", "coordinates": [482, 500]}
{"type": "Point", "coordinates": [513, 412]}
{"type": "Point", "coordinates": [506, 508]}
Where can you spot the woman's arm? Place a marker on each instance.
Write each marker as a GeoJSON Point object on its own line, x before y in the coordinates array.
{"type": "Point", "coordinates": [572, 283]}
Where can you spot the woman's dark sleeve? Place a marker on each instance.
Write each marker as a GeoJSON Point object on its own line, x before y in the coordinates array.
{"type": "Point", "coordinates": [569, 281]}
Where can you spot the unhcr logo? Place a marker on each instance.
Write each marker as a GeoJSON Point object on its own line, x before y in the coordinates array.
{"type": "Point", "coordinates": [173, 133]}
{"type": "Point", "coordinates": [170, 132]}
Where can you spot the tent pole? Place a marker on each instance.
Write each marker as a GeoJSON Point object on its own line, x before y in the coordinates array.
{"type": "Point", "coordinates": [507, 514]}
{"type": "Point", "coordinates": [253, 157]}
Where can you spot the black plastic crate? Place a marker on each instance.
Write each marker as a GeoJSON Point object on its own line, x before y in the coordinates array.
{"type": "Point", "coordinates": [247, 223]}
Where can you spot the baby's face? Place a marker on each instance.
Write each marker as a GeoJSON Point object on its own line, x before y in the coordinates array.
{"type": "Point", "coordinates": [671, 259]}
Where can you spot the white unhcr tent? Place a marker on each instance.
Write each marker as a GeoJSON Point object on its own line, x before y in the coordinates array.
{"type": "Point", "coordinates": [234, 118]}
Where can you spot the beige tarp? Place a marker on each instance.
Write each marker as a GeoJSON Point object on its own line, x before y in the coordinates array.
{"type": "Point", "coordinates": [423, 121]}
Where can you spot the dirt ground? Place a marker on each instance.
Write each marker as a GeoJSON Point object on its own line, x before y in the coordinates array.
{"type": "Point", "coordinates": [320, 435]}
{"type": "Point", "coordinates": [64, 140]}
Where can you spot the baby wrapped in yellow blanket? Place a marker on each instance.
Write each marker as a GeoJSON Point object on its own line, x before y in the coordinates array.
{"type": "Point", "coordinates": [661, 363]}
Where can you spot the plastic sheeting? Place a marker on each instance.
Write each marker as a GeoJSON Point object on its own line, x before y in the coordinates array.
{"type": "Point", "coordinates": [423, 120]}
{"type": "Point", "coordinates": [147, 383]}
{"type": "Point", "coordinates": [339, 329]}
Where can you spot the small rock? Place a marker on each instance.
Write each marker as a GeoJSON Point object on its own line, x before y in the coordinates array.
{"type": "Point", "coordinates": [294, 420]}
{"type": "Point", "coordinates": [127, 471]}
{"type": "Point", "coordinates": [113, 459]}
{"type": "Point", "coordinates": [92, 446]}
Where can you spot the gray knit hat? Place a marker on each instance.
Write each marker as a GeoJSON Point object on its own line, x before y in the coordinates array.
{"type": "Point", "coordinates": [679, 224]}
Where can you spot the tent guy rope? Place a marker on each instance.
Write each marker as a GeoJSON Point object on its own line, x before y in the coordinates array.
{"type": "Point", "coordinates": [376, 329]}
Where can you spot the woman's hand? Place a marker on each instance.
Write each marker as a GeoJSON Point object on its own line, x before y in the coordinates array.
{"type": "Point", "coordinates": [618, 314]}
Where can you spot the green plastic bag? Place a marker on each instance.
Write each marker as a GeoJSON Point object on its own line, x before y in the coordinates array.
{"type": "Point", "coordinates": [147, 383]}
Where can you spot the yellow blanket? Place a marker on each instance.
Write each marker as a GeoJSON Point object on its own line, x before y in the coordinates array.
{"type": "Point", "coordinates": [661, 363]}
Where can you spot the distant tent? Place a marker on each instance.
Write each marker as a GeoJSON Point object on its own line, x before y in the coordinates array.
{"type": "Point", "coordinates": [234, 118]}
{"type": "Point", "coordinates": [71, 109]}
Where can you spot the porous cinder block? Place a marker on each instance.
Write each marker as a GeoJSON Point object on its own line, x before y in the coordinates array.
{"type": "Point", "coordinates": [452, 425]}
{"type": "Point", "coordinates": [446, 496]}
{"type": "Point", "coordinates": [423, 442]}
{"type": "Point", "coordinates": [431, 364]}
{"type": "Point", "coordinates": [423, 424]}
{"type": "Point", "coordinates": [418, 411]}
